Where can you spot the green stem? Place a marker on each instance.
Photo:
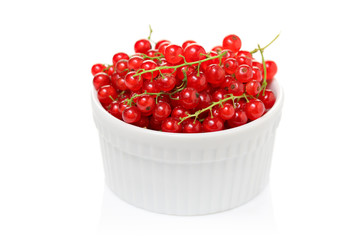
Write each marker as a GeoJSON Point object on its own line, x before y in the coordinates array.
{"type": "Point", "coordinates": [257, 49]}
{"type": "Point", "coordinates": [149, 37]}
{"type": "Point", "coordinates": [181, 65]}
{"type": "Point", "coordinates": [264, 83]}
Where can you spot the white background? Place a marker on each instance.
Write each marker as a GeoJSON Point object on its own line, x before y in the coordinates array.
{"type": "Point", "coordinates": [51, 177]}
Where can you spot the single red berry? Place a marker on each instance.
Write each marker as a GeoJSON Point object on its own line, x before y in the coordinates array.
{"type": "Point", "coordinates": [131, 114]}
{"type": "Point", "coordinates": [107, 94]}
{"type": "Point", "coordinates": [161, 42]}
{"type": "Point", "coordinates": [145, 103]}
{"type": "Point", "coordinates": [162, 47]}
{"type": "Point", "coordinates": [243, 73]}
{"type": "Point", "coordinates": [205, 64]}
{"type": "Point", "coordinates": [215, 74]}
{"type": "Point", "coordinates": [109, 70]}
{"type": "Point", "coordinates": [228, 54]}
{"type": "Point", "coordinates": [191, 126]}
{"type": "Point", "coordinates": [188, 71]}
{"type": "Point", "coordinates": [119, 56]}
{"type": "Point", "coordinates": [271, 70]}
{"type": "Point", "coordinates": [254, 109]}
{"type": "Point", "coordinates": [232, 42]}
{"type": "Point", "coordinates": [189, 98]}
{"type": "Point", "coordinates": [166, 83]}
{"type": "Point", "coordinates": [242, 59]}
{"type": "Point", "coordinates": [164, 98]}
{"type": "Point", "coordinates": [204, 100]}
{"type": "Point", "coordinates": [213, 124]}
{"type": "Point", "coordinates": [215, 111]}
{"type": "Point", "coordinates": [135, 62]}
{"type": "Point", "coordinates": [133, 83]}
{"type": "Point", "coordinates": [172, 54]}
{"type": "Point", "coordinates": [235, 88]}
{"type": "Point", "coordinates": [154, 123]}
{"type": "Point", "coordinates": [217, 49]}
{"type": "Point", "coordinates": [171, 125]}
{"type": "Point", "coordinates": [150, 86]}
{"type": "Point", "coordinates": [144, 122]}
{"type": "Point", "coordinates": [238, 119]}
{"type": "Point", "coordinates": [121, 67]}
{"type": "Point", "coordinates": [97, 68]}
{"type": "Point", "coordinates": [252, 87]}
{"type": "Point", "coordinates": [226, 111]}
{"type": "Point", "coordinates": [149, 65]}
{"type": "Point", "coordinates": [244, 53]}
{"type": "Point", "coordinates": [179, 112]}
{"type": "Point", "coordinates": [187, 43]}
{"type": "Point", "coordinates": [257, 75]}
{"type": "Point", "coordinates": [153, 53]}
{"type": "Point", "coordinates": [230, 65]}
{"type": "Point", "coordinates": [142, 46]}
{"type": "Point", "coordinates": [197, 81]}
{"type": "Point", "coordinates": [118, 82]}
{"type": "Point", "coordinates": [194, 52]}
{"type": "Point", "coordinates": [259, 65]}
{"type": "Point", "coordinates": [162, 110]}
{"type": "Point", "coordinates": [268, 98]}
{"type": "Point", "coordinates": [101, 79]}
{"type": "Point", "coordinates": [218, 95]}
{"type": "Point", "coordinates": [115, 109]}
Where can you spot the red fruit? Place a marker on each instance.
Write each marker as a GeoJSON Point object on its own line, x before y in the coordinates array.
{"type": "Point", "coordinates": [97, 68]}
{"type": "Point", "coordinates": [154, 123]}
{"type": "Point", "coordinates": [243, 73]}
{"type": "Point", "coordinates": [144, 122]}
{"type": "Point", "coordinates": [254, 109]}
{"type": "Point", "coordinates": [131, 115]}
{"type": "Point", "coordinates": [232, 42]}
{"type": "Point", "coordinates": [179, 112]}
{"type": "Point", "coordinates": [191, 126]}
{"type": "Point", "coordinates": [188, 70]}
{"type": "Point", "coordinates": [115, 109]}
{"type": "Point", "coordinates": [109, 70]}
{"type": "Point", "coordinates": [257, 75]}
{"type": "Point", "coordinates": [150, 86]}
{"type": "Point", "coordinates": [166, 83]}
{"type": "Point", "coordinates": [162, 111]}
{"type": "Point", "coordinates": [213, 124]}
{"type": "Point", "coordinates": [238, 119]}
{"type": "Point", "coordinates": [226, 111]}
{"type": "Point", "coordinates": [149, 65]}
{"type": "Point", "coordinates": [230, 65]}
{"type": "Point", "coordinates": [217, 49]}
{"type": "Point", "coordinates": [121, 67]}
{"type": "Point", "coordinates": [142, 46]}
{"type": "Point", "coordinates": [135, 62]}
{"type": "Point", "coordinates": [101, 79]}
{"type": "Point", "coordinates": [194, 52]}
{"type": "Point", "coordinates": [145, 103]}
{"type": "Point", "coordinates": [171, 125]}
{"type": "Point", "coordinates": [162, 47]}
{"type": "Point", "coordinates": [244, 60]}
{"type": "Point", "coordinates": [204, 100]}
{"type": "Point", "coordinates": [153, 53]}
{"type": "Point", "coordinates": [187, 43]}
{"type": "Point", "coordinates": [229, 54]}
{"type": "Point", "coordinates": [271, 70]}
{"type": "Point", "coordinates": [118, 82]}
{"type": "Point", "coordinates": [133, 83]}
{"type": "Point", "coordinates": [252, 87]}
{"type": "Point", "coordinates": [205, 64]}
{"type": "Point", "coordinates": [172, 54]}
{"type": "Point", "coordinates": [268, 98]}
{"type": "Point", "coordinates": [235, 88]}
{"type": "Point", "coordinates": [215, 74]}
{"type": "Point", "coordinates": [161, 42]}
{"type": "Point", "coordinates": [197, 82]}
{"type": "Point", "coordinates": [107, 94]}
{"type": "Point", "coordinates": [244, 53]}
{"type": "Point", "coordinates": [119, 56]}
{"type": "Point", "coordinates": [189, 98]}
{"type": "Point", "coordinates": [218, 95]}
{"type": "Point", "coordinates": [259, 65]}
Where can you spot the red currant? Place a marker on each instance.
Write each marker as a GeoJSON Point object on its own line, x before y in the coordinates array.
{"type": "Point", "coordinates": [238, 119]}
{"type": "Point", "coordinates": [162, 111]}
{"type": "Point", "coordinates": [166, 83]}
{"type": "Point", "coordinates": [131, 115]}
{"type": "Point", "coordinates": [101, 79]}
{"type": "Point", "coordinates": [268, 98]}
{"type": "Point", "coordinates": [145, 103]}
{"type": "Point", "coordinates": [172, 54]}
{"type": "Point", "coordinates": [257, 75]}
{"type": "Point", "coordinates": [252, 87]}
{"type": "Point", "coordinates": [194, 52]}
{"type": "Point", "coordinates": [232, 42]}
{"type": "Point", "coordinates": [226, 111]}
{"type": "Point", "coordinates": [115, 109]}
{"type": "Point", "coordinates": [236, 88]}
{"type": "Point", "coordinates": [121, 67]}
{"type": "Point", "coordinates": [189, 98]}
{"type": "Point", "coordinates": [150, 86]}
{"type": "Point", "coordinates": [133, 83]}
{"type": "Point", "coordinates": [161, 42]}
{"type": "Point", "coordinates": [149, 65]}
{"type": "Point", "coordinates": [119, 56]}
{"type": "Point", "coordinates": [191, 126]}
{"type": "Point", "coordinates": [135, 62]}
{"type": "Point", "coordinates": [179, 112]}
{"type": "Point", "coordinates": [230, 65]}
{"type": "Point", "coordinates": [271, 69]}
{"type": "Point", "coordinates": [197, 81]}
{"type": "Point", "coordinates": [142, 46]}
{"type": "Point", "coordinates": [97, 68]}
{"type": "Point", "coordinates": [118, 82]}
{"type": "Point", "coordinates": [213, 124]}
{"type": "Point", "coordinates": [254, 109]}
{"type": "Point", "coordinates": [171, 125]}
{"type": "Point", "coordinates": [215, 74]}
{"type": "Point", "coordinates": [187, 43]}
{"type": "Point", "coordinates": [107, 94]}
{"type": "Point", "coordinates": [143, 122]}
{"type": "Point", "coordinates": [243, 73]}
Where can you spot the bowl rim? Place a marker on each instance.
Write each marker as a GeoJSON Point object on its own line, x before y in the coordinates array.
{"type": "Point", "coordinates": [237, 130]}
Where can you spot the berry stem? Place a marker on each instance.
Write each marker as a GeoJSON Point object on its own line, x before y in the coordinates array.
{"type": "Point", "coordinates": [181, 65]}
{"type": "Point", "coordinates": [264, 83]}
{"type": "Point", "coordinates": [149, 37]}
{"type": "Point", "coordinates": [257, 49]}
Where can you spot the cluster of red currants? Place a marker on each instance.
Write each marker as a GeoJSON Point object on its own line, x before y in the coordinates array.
{"type": "Point", "coordinates": [185, 89]}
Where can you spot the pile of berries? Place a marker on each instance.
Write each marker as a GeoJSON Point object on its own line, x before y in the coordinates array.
{"type": "Point", "coordinates": [185, 89]}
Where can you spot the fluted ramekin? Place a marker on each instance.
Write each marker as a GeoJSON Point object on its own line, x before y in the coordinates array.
{"type": "Point", "coordinates": [187, 174]}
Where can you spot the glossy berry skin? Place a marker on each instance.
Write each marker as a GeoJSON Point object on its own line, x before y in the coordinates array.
{"type": "Point", "coordinates": [144, 122]}
{"type": "Point", "coordinates": [232, 42]}
{"type": "Point", "coordinates": [172, 54]}
{"type": "Point", "coordinates": [213, 124]}
{"type": "Point", "coordinates": [166, 83]}
{"type": "Point", "coordinates": [254, 109]}
{"type": "Point", "coordinates": [150, 86]}
{"type": "Point", "coordinates": [109, 70]}
{"type": "Point", "coordinates": [133, 83]}
{"type": "Point", "coordinates": [135, 62]}
{"type": "Point", "coordinates": [235, 88]}
{"type": "Point", "coordinates": [131, 115]}
{"type": "Point", "coordinates": [230, 65]}
{"type": "Point", "coordinates": [191, 126]}
{"type": "Point", "coordinates": [227, 111]}
{"type": "Point", "coordinates": [218, 95]}
{"type": "Point", "coordinates": [194, 52]}
{"type": "Point", "coordinates": [97, 68]}
{"type": "Point", "coordinates": [271, 69]}
{"type": "Point", "coordinates": [154, 123]}
{"type": "Point", "coordinates": [252, 87]}
{"type": "Point", "coordinates": [142, 46]}
{"type": "Point", "coordinates": [188, 71]}
{"type": "Point", "coordinates": [215, 74]}
{"type": "Point", "coordinates": [119, 56]}
{"type": "Point", "coordinates": [217, 49]}
{"type": "Point", "coordinates": [149, 65]}
{"type": "Point", "coordinates": [244, 53]}
{"type": "Point", "coordinates": [257, 75]}
{"type": "Point", "coordinates": [171, 125]}
{"type": "Point", "coordinates": [268, 98]}
{"type": "Point", "coordinates": [238, 119]}
{"type": "Point", "coordinates": [107, 94]}
{"type": "Point", "coordinates": [187, 43]}
{"type": "Point", "coordinates": [161, 42]}
{"type": "Point", "coordinates": [115, 109]}
{"type": "Point", "coordinates": [243, 73]}
{"type": "Point", "coordinates": [145, 103]}
{"type": "Point", "coordinates": [189, 98]}
{"type": "Point", "coordinates": [205, 64]}
{"type": "Point", "coordinates": [118, 82]}
{"type": "Point", "coordinates": [179, 112]}
{"type": "Point", "coordinates": [101, 79]}
{"type": "Point", "coordinates": [162, 47]}
{"type": "Point", "coordinates": [258, 65]}
{"type": "Point", "coordinates": [204, 100]}
{"type": "Point", "coordinates": [162, 110]}
{"type": "Point", "coordinates": [121, 67]}
{"type": "Point", "coordinates": [244, 60]}
{"type": "Point", "coordinates": [197, 82]}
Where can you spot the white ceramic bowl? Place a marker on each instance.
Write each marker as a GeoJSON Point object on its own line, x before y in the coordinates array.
{"type": "Point", "coordinates": [187, 174]}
